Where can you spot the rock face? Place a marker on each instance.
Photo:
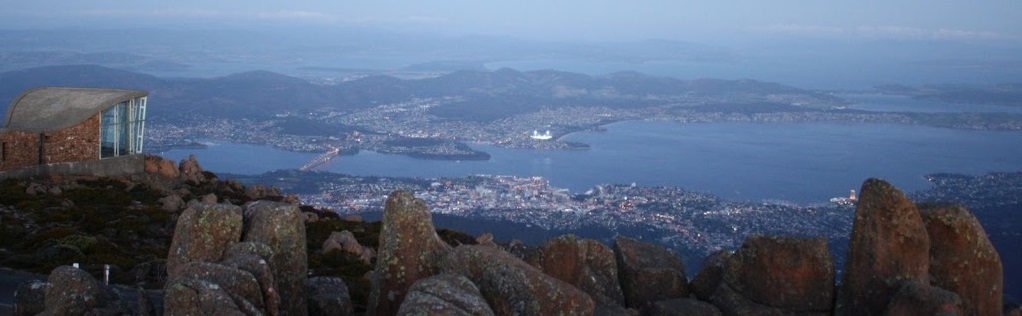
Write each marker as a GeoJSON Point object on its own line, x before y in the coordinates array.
{"type": "Point", "coordinates": [916, 298]}
{"type": "Point", "coordinates": [232, 280]}
{"type": "Point", "coordinates": [444, 294]}
{"type": "Point", "coordinates": [789, 273]}
{"type": "Point", "coordinates": [281, 227]}
{"type": "Point", "coordinates": [409, 250]}
{"type": "Point", "coordinates": [513, 287]}
{"type": "Point", "coordinates": [648, 272]}
{"type": "Point", "coordinates": [585, 263]}
{"type": "Point", "coordinates": [328, 296]}
{"type": "Point", "coordinates": [196, 297]}
{"type": "Point", "coordinates": [888, 244]}
{"type": "Point", "coordinates": [73, 291]}
{"type": "Point", "coordinates": [202, 233]}
{"type": "Point", "coordinates": [709, 276]}
{"type": "Point", "coordinates": [962, 259]}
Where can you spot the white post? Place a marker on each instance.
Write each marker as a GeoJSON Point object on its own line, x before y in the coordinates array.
{"type": "Point", "coordinates": [106, 274]}
{"type": "Point", "coordinates": [74, 265]}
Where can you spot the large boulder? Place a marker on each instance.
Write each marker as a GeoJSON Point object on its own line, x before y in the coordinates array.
{"type": "Point", "coordinates": [682, 307]}
{"type": "Point", "coordinates": [444, 294]}
{"type": "Point", "coordinates": [917, 299]}
{"type": "Point", "coordinates": [159, 166]}
{"type": "Point", "coordinates": [190, 170]}
{"type": "Point", "coordinates": [710, 275]}
{"type": "Point", "coordinates": [73, 291]}
{"type": "Point", "coordinates": [254, 258]}
{"type": "Point", "coordinates": [239, 283]}
{"type": "Point", "coordinates": [513, 287]}
{"type": "Point", "coordinates": [889, 244]}
{"type": "Point", "coordinates": [791, 273]}
{"type": "Point", "coordinates": [648, 272]}
{"type": "Point", "coordinates": [963, 261]}
{"type": "Point", "coordinates": [202, 233]}
{"type": "Point", "coordinates": [280, 226]}
{"type": "Point", "coordinates": [409, 250]}
{"type": "Point", "coordinates": [585, 263]}
{"type": "Point", "coordinates": [196, 297]}
{"type": "Point", "coordinates": [328, 296]}
{"type": "Point", "coordinates": [345, 241]}
{"type": "Point", "coordinates": [732, 303]}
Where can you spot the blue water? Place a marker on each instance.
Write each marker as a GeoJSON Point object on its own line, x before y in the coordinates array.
{"type": "Point", "coordinates": [798, 162]}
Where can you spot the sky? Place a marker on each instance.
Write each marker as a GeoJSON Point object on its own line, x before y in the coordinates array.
{"type": "Point", "coordinates": [996, 20]}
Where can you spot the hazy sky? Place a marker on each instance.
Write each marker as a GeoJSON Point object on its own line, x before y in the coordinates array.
{"type": "Point", "coordinates": [552, 19]}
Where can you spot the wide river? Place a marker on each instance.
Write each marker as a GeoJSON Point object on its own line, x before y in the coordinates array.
{"type": "Point", "coordinates": [797, 162]}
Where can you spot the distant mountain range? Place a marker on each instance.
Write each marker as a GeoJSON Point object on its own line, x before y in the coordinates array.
{"type": "Point", "coordinates": [483, 95]}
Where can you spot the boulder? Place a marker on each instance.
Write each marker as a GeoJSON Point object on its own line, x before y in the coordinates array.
{"type": "Point", "coordinates": [444, 294]}
{"type": "Point", "coordinates": [791, 273]}
{"type": "Point", "coordinates": [916, 298]}
{"type": "Point", "coordinates": [237, 283]}
{"type": "Point", "coordinates": [345, 241]}
{"type": "Point", "coordinates": [732, 303]}
{"type": "Point", "coordinates": [280, 226]}
{"type": "Point", "coordinates": [254, 258]}
{"type": "Point", "coordinates": [260, 192]}
{"type": "Point", "coordinates": [513, 287]}
{"type": "Point", "coordinates": [962, 259]}
{"type": "Point", "coordinates": [172, 203]}
{"type": "Point", "coordinates": [409, 250]}
{"type": "Point", "coordinates": [328, 296]}
{"type": "Point", "coordinates": [196, 297]}
{"type": "Point", "coordinates": [709, 276]}
{"type": "Point", "coordinates": [73, 291]}
{"type": "Point", "coordinates": [30, 298]}
{"type": "Point", "coordinates": [159, 166]}
{"type": "Point", "coordinates": [888, 244]}
{"type": "Point", "coordinates": [682, 307]}
{"type": "Point", "coordinates": [190, 170]}
{"type": "Point", "coordinates": [202, 233]}
{"type": "Point", "coordinates": [648, 272]}
{"type": "Point", "coordinates": [585, 263]}
{"type": "Point", "coordinates": [209, 199]}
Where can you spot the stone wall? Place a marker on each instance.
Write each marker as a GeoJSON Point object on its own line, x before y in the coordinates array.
{"type": "Point", "coordinates": [78, 143]}
{"type": "Point", "coordinates": [116, 166]}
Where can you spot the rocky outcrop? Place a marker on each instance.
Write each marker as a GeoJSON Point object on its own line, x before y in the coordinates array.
{"type": "Point", "coordinates": [190, 171]}
{"type": "Point", "coordinates": [648, 272]}
{"type": "Point", "coordinates": [409, 250]}
{"type": "Point", "coordinates": [159, 166]}
{"type": "Point", "coordinates": [963, 261]}
{"type": "Point", "coordinates": [889, 244]}
{"type": "Point", "coordinates": [259, 192]}
{"type": "Point", "coordinates": [513, 287]}
{"type": "Point", "coordinates": [280, 226]}
{"type": "Point", "coordinates": [444, 294]}
{"type": "Point", "coordinates": [236, 282]}
{"type": "Point", "coordinates": [328, 296]}
{"type": "Point", "coordinates": [202, 233]}
{"type": "Point", "coordinates": [196, 297]}
{"type": "Point", "coordinates": [73, 291]}
{"type": "Point", "coordinates": [345, 241]}
{"type": "Point", "coordinates": [682, 307]}
{"type": "Point", "coordinates": [794, 275]}
{"type": "Point", "coordinates": [914, 298]}
{"type": "Point", "coordinates": [709, 276]}
{"type": "Point", "coordinates": [585, 263]}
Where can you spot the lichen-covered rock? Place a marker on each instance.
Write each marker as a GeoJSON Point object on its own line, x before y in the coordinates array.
{"type": "Point", "coordinates": [444, 294]}
{"type": "Point", "coordinates": [682, 307]}
{"type": "Point", "coordinates": [202, 233]}
{"type": "Point", "coordinates": [709, 276]}
{"type": "Point", "coordinates": [280, 226]}
{"type": "Point", "coordinates": [962, 259]}
{"type": "Point", "coordinates": [513, 287]}
{"type": "Point", "coordinates": [328, 296]}
{"type": "Point", "coordinates": [888, 245]}
{"type": "Point", "coordinates": [585, 263]}
{"type": "Point", "coordinates": [253, 258]}
{"type": "Point", "coordinates": [30, 298]}
{"type": "Point", "coordinates": [915, 298]}
{"type": "Point", "coordinates": [196, 297]}
{"type": "Point", "coordinates": [73, 291]}
{"type": "Point", "coordinates": [236, 282]}
{"type": "Point", "coordinates": [345, 241]}
{"type": "Point", "coordinates": [648, 272]}
{"type": "Point", "coordinates": [409, 250]}
{"type": "Point", "coordinates": [791, 273]}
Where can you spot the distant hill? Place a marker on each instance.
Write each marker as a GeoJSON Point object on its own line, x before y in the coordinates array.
{"type": "Point", "coordinates": [482, 95]}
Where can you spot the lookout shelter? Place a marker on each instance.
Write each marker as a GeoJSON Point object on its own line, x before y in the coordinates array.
{"type": "Point", "coordinates": [77, 131]}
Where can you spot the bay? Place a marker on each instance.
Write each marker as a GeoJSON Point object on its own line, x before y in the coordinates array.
{"type": "Point", "coordinates": [797, 162]}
